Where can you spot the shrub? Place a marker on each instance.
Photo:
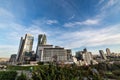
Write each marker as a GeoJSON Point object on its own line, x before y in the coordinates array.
{"type": "Point", "coordinates": [52, 72]}
{"type": "Point", "coordinates": [40, 63]}
{"type": "Point", "coordinates": [8, 75]}
{"type": "Point", "coordinates": [22, 77]}
{"type": "Point", "coordinates": [18, 67]}
{"type": "Point", "coordinates": [116, 72]}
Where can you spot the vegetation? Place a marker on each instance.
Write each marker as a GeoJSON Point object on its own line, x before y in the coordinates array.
{"type": "Point", "coordinates": [100, 71]}
{"type": "Point", "coordinates": [64, 73]}
{"type": "Point", "coordinates": [22, 77]}
{"type": "Point", "coordinates": [8, 75]}
{"type": "Point", "coordinates": [107, 70]}
{"type": "Point", "coordinates": [19, 67]}
{"type": "Point", "coordinates": [40, 63]}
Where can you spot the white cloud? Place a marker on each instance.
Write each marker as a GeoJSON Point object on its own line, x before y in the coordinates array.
{"type": "Point", "coordinates": [86, 22]}
{"type": "Point", "coordinates": [100, 2]}
{"type": "Point", "coordinates": [73, 16]}
{"type": "Point", "coordinates": [90, 22]}
{"type": "Point", "coordinates": [109, 4]}
{"type": "Point", "coordinates": [7, 50]}
{"type": "Point", "coordinates": [51, 22]}
{"type": "Point", "coordinates": [5, 13]}
{"type": "Point", "coordinates": [109, 35]}
{"type": "Point", "coordinates": [15, 29]}
{"type": "Point", "coordinates": [12, 33]}
{"type": "Point", "coordinates": [44, 21]}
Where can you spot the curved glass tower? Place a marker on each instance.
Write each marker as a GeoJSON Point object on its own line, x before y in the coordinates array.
{"type": "Point", "coordinates": [25, 46]}
{"type": "Point", "coordinates": [42, 40]}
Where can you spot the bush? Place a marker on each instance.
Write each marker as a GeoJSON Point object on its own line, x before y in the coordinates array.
{"type": "Point", "coordinates": [18, 67]}
{"type": "Point", "coordinates": [8, 75]}
{"type": "Point", "coordinates": [111, 76]}
{"type": "Point", "coordinates": [22, 77]}
{"type": "Point", "coordinates": [40, 63]}
{"type": "Point", "coordinates": [52, 72]}
{"type": "Point", "coordinates": [116, 72]}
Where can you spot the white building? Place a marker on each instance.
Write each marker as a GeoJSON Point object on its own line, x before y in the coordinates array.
{"type": "Point", "coordinates": [84, 56]}
{"type": "Point", "coordinates": [48, 53]}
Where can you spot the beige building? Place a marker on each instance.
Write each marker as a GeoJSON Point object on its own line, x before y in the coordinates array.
{"type": "Point", "coordinates": [48, 53]}
{"type": "Point", "coordinates": [40, 51]}
{"type": "Point", "coordinates": [54, 54]}
{"type": "Point", "coordinates": [84, 56]}
{"type": "Point", "coordinates": [108, 51]}
{"type": "Point", "coordinates": [25, 46]}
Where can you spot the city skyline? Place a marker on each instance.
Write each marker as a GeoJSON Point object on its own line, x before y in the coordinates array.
{"type": "Point", "coordinates": [72, 24]}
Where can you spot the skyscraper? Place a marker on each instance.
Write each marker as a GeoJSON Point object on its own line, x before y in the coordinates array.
{"type": "Point", "coordinates": [108, 51]}
{"type": "Point", "coordinates": [12, 59]}
{"type": "Point", "coordinates": [20, 49]}
{"type": "Point", "coordinates": [102, 54]}
{"type": "Point", "coordinates": [84, 56]}
{"type": "Point", "coordinates": [42, 40]}
{"type": "Point", "coordinates": [48, 53]}
{"type": "Point", "coordinates": [25, 46]}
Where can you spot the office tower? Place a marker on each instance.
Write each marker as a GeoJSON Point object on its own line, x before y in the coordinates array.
{"type": "Point", "coordinates": [87, 56]}
{"type": "Point", "coordinates": [69, 54]}
{"type": "Point", "coordinates": [39, 52]}
{"type": "Point", "coordinates": [108, 51]}
{"type": "Point", "coordinates": [54, 54]}
{"type": "Point", "coordinates": [42, 40]}
{"type": "Point", "coordinates": [25, 46]}
{"type": "Point", "coordinates": [85, 50]}
{"type": "Point", "coordinates": [102, 54]}
{"type": "Point", "coordinates": [48, 53]}
{"type": "Point", "coordinates": [20, 49]}
{"type": "Point", "coordinates": [84, 56]}
{"type": "Point", "coordinates": [12, 59]}
{"type": "Point", "coordinates": [79, 55]}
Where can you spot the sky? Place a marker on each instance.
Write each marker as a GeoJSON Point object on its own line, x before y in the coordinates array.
{"type": "Point", "coordinates": [74, 24]}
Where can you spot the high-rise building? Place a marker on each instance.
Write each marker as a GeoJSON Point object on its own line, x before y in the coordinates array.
{"type": "Point", "coordinates": [42, 40]}
{"type": "Point", "coordinates": [25, 46]}
{"type": "Point", "coordinates": [79, 55]}
{"type": "Point", "coordinates": [69, 54]}
{"type": "Point", "coordinates": [84, 56]}
{"type": "Point", "coordinates": [108, 51]}
{"type": "Point", "coordinates": [48, 53]}
{"type": "Point", "coordinates": [20, 49]}
{"type": "Point", "coordinates": [12, 59]}
{"type": "Point", "coordinates": [103, 56]}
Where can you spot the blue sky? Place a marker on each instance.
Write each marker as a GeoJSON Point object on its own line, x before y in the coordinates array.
{"type": "Point", "coordinates": [74, 24]}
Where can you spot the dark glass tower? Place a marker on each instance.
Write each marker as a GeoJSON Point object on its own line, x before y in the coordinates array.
{"type": "Point", "coordinates": [42, 39]}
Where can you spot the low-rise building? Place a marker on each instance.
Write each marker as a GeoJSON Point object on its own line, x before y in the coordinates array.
{"type": "Point", "coordinates": [48, 53]}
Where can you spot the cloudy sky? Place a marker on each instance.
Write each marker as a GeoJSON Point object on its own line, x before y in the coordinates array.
{"type": "Point", "coordinates": [75, 24]}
